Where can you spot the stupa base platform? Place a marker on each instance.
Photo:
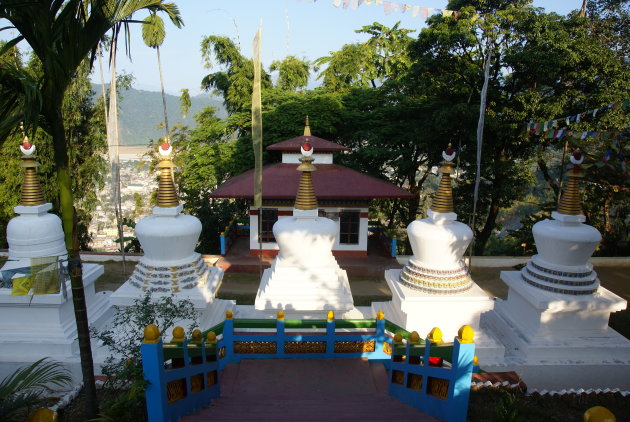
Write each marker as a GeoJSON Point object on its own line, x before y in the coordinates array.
{"type": "Point", "coordinates": [541, 327]}
{"type": "Point", "coordinates": [420, 311]}
{"type": "Point", "coordinates": [201, 294]}
{"type": "Point", "coordinates": [34, 327]}
{"type": "Point", "coordinates": [304, 294]}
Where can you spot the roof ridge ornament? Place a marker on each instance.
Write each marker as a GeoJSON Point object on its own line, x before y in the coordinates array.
{"type": "Point", "coordinates": [443, 200]}
{"type": "Point", "coordinates": [167, 194]}
{"type": "Point", "coordinates": [307, 127]}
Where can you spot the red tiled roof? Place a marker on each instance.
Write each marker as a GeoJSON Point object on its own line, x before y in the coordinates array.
{"type": "Point", "coordinates": [331, 181]}
{"type": "Point", "coordinates": [293, 145]}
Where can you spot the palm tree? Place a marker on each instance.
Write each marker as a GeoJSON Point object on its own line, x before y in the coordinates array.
{"type": "Point", "coordinates": [63, 33]}
{"type": "Point", "coordinates": [153, 34]}
{"type": "Point", "coordinates": [26, 388]}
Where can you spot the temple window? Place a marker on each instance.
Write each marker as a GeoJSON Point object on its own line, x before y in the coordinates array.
{"type": "Point", "coordinates": [349, 227]}
{"type": "Point", "coordinates": [268, 219]}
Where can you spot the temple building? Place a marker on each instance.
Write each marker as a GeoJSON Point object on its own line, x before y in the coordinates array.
{"type": "Point", "coordinates": [343, 194]}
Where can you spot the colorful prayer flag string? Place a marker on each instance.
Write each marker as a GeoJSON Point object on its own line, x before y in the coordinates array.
{"type": "Point", "coordinates": [574, 118]}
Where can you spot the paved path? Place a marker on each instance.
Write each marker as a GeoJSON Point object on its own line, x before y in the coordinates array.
{"type": "Point", "coordinates": [306, 390]}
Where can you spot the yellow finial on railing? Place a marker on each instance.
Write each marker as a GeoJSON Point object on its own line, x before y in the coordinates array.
{"type": "Point", "coordinates": [178, 335]}
{"type": "Point", "coordinates": [380, 315]}
{"type": "Point", "coordinates": [599, 414]}
{"type": "Point", "coordinates": [211, 338]}
{"type": "Point", "coordinates": [398, 338]}
{"type": "Point", "coordinates": [414, 337]}
{"type": "Point", "coordinates": [197, 336]}
{"type": "Point", "coordinates": [435, 336]}
{"type": "Point", "coordinates": [151, 334]}
{"type": "Point", "coordinates": [466, 334]}
{"type": "Point", "coordinates": [331, 316]}
{"type": "Point", "coordinates": [229, 314]}
{"type": "Point", "coordinates": [476, 360]}
{"type": "Point", "coordinates": [280, 315]}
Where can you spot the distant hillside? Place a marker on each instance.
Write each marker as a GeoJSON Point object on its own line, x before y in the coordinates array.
{"type": "Point", "coordinates": [140, 112]}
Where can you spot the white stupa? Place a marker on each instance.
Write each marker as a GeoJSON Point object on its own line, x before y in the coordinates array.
{"type": "Point", "coordinates": [435, 289]}
{"type": "Point", "coordinates": [305, 276]}
{"type": "Point", "coordinates": [36, 310]}
{"type": "Point", "coordinates": [170, 265]}
{"type": "Point", "coordinates": [557, 312]}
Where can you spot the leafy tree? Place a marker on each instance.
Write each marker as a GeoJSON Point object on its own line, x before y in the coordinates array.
{"type": "Point", "coordinates": [153, 34]}
{"type": "Point", "coordinates": [293, 73]}
{"type": "Point", "coordinates": [62, 34]}
{"type": "Point", "coordinates": [382, 57]}
{"type": "Point", "coordinates": [234, 83]}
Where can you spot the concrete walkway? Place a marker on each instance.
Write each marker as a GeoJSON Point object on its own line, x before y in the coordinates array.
{"type": "Point", "coordinates": [306, 390]}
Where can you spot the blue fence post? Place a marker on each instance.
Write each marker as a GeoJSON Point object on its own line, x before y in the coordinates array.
{"type": "Point", "coordinates": [330, 334]}
{"type": "Point", "coordinates": [153, 369]}
{"type": "Point", "coordinates": [280, 333]}
{"type": "Point", "coordinates": [379, 349]}
{"type": "Point", "coordinates": [394, 241]}
{"type": "Point", "coordinates": [223, 252]}
{"type": "Point", "coordinates": [228, 338]}
{"type": "Point", "coordinates": [459, 388]}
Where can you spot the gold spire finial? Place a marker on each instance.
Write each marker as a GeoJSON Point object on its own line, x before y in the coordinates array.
{"type": "Point", "coordinates": [307, 127]}
{"type": "Point", "coordinates": [167, 195]}
{"type": "Point", "coordinates": [443, 200]}
{"type": "Point", "coordinates": [570, 197]}
{"type": "Point", "coordinates": [305, 198]}
{"type": "Point", "coordinates": [32, 194]}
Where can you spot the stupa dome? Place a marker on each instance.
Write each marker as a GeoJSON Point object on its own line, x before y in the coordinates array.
{"type": "Point", "coordinates": [565, 244]}
{"type": "Point", "coordinates": [439, 243]}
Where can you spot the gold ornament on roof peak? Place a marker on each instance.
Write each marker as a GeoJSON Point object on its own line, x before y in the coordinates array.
{"type": "Point", "coordinates": [307, 127]}
{"type": "Point", "coordinates": [31, 194]}
{"type": "Point", "coordinates": [443, 200]}
{"type": "Point", "coordinates": [305, 198]}
{"type": "Point", "coordinates": [570, 197]}
{"type": "Point", "coordinates": [167, 194]}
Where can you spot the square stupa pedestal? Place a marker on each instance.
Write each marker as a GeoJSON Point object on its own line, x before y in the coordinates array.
{"type": "Point", "coordinates": [37, 326]}
{"type": "Point", "coordinates": [538, 325]}
{"type": "Point", "coordinates": [419, 311]}
{"type": "Point", "coordinates": [295, 289]}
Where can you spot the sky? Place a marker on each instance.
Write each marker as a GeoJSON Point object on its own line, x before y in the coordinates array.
{"type": "Point", "coordinates": [307, 29]}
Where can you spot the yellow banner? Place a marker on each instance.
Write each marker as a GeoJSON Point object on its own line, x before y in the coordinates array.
{"type": "Point", "coordinates": [44, 278]}
{"type": "Point", "coordinates": [257, 121]}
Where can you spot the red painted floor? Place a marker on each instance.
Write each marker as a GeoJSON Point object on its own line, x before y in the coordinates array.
{"type": "Point", "coordinates": [306, 390]}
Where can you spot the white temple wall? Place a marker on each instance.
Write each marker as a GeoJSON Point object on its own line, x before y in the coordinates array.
{"type": "Point", "coordinates": [295, 158]}
{"type": "Point", "coordinates": [331, 212]}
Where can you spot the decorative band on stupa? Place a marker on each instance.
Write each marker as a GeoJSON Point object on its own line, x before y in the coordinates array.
{"type": "Point", "coordinates": [443, 200]}
{"type": "Point", "coordinates": [32, 194]}
{"type": "Point", "coordinates": [544, 275]}
{"type": "Point", "coordinates": [167, 194]}
{"type": "Point", "coordinates": [305, 198]}
{"type": "Point", "coordinates": [454, 277]}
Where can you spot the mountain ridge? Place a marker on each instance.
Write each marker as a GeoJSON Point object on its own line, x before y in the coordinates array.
{"type": "Point", "coordinates": [140, 112]}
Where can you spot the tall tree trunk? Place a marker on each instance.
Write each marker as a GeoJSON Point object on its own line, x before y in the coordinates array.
{"type": "Point", "coordinates": [491, 222]}
{"type": "Point", "coordinates": [69, 221]}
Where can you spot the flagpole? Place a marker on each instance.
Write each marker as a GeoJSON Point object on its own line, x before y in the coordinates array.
{"type": "Point", "coordinates": [257, 137]}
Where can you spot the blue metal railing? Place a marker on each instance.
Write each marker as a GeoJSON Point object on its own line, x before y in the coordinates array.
{"type": "Point", "coordinates": [184, 376]}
